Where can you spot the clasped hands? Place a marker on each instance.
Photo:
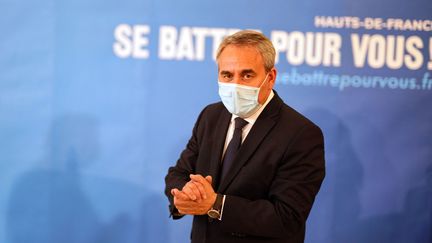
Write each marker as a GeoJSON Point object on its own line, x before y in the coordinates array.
{"type": "Point", "coordinates": [196, 197]}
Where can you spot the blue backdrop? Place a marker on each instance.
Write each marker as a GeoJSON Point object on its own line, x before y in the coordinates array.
{"type": "Point", "coordinates": [98, 98]}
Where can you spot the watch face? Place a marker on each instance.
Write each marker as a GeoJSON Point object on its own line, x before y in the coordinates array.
{"type": "Point", "coordinates": [213, 213]}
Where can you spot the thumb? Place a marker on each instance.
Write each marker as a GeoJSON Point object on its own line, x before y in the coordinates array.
{"type": "Point", "coordinates": [209, 179]}
{"type": "Point", "coordinates": [174, 191]}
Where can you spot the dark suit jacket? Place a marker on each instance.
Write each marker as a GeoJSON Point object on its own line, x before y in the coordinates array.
{"type": "Point", "coordinates": [273, 182]}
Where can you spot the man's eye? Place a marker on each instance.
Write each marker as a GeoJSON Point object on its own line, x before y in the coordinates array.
{"type": "Point", "coordinates": [247, 76]}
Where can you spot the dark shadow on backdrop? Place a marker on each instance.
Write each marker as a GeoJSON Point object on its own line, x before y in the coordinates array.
{"type": "Point", "coordinates": [48, 205]}
{"type": "Point", "coordinates": [148, 225]}
{"type": "Point", "coordinates": [337, 206]}
{"type": "Point", "coordinates": [337, 209]}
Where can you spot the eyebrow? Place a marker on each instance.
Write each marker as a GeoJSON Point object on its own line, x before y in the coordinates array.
{"type": "Point", "coordinates": [225, 72]}
{"type": "Point", "coordinates": [243, 72]}
{"type": "Point", "coordinates": [247, 71]}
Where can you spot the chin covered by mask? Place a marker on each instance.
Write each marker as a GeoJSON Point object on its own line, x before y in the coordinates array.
{"type": "Point", "coordinates": [241, 100]}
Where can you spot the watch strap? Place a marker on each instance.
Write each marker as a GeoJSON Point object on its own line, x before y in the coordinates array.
{"type": "Point", "coordinates": [218, 203]}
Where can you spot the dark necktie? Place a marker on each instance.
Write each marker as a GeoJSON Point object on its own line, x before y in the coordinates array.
{"type": "Point", "coordinates": [233, 146]}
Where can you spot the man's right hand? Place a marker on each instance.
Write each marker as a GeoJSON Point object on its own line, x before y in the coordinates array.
{"type": "Point", "coordinates": [184, 202]}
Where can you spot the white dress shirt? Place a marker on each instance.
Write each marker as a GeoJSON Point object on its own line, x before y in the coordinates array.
{"type": "Point", "coordinates": [246, 129]}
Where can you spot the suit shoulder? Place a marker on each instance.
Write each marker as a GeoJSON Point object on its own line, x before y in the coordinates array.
{"type": "Point", "coordinates": [210, 114]}
{"type": "Point", "coordinates": [292, 116]}
{"type": "Point", "coordinates": [213, 109]}
{"type": "Point", "coordinates": [217, 106]}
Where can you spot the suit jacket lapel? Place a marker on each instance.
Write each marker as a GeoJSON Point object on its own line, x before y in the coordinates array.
{"type": "Point", "coordinates": [218, 144]}
{"type": "Point", "coordinates": [260, 129]}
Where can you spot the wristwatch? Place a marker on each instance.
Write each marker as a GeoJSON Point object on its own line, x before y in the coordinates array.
{"type": "Point", "coordinates": [215, 211]}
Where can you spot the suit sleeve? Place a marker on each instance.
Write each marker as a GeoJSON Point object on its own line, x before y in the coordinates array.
{"type": "Point", "coordinates": [291, 195]}
{"type": "Point", "coordinates": [178, 175]}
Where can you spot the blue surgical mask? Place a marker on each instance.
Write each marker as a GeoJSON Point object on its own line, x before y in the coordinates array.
{"type": "Point", "coordinates": [241, 100]}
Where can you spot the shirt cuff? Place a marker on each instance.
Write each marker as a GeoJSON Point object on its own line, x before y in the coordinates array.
{"type": "Point", "coordinates": [223, 203]}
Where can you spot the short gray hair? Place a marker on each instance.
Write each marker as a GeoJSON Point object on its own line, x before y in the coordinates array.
{"type": "Point", "coordinates": [253, 39]}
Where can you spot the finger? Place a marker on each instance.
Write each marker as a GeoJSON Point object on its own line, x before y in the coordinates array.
{"type": "Point", "coordinates": [181, 211]}
{"type": "Point", "coordinates": [188, 191]}
{"type": "Point", "coordinates": [182, 204]}
{"type": "Point", "coordinates": [206, 184]}
{"type": "Point", "coordinates": [174, 191]}
{"type": "Point", "coordinates": [186, 210]}
{"type": "Point", "coordinates": [208, 188]}
{"type": "Point", "coordinates": [209, 179]}
{"type": "Point", "coordinates": [195, 209]}
{"type": "Point", "coordinates": [197, 192]}
{"type": "Point", "coordinates": [180, 195]}
{"type": "Point", "coordinates": [201, 189]}
{"type": "Point", "coordinates": [193, 192]}
{"type": "Point", "coordinates": [198, 178]}
{"type": "Point", "coordinates": [186, 206]}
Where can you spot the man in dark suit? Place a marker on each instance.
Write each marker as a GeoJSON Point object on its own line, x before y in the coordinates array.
{"type": "Point", "coordinates": [252, 168]}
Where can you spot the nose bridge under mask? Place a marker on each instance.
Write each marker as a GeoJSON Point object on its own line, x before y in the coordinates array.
{"type": "Point", "coordinates": [241, 100]}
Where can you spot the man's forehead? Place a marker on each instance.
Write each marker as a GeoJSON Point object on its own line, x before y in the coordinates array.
{"type": "Point", "coordinates": [239, 58]}
{"type": "Point", "coordinates": [239, 50]}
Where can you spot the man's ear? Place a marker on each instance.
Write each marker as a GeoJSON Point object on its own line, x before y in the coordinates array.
{"type": "Point", "coordinates": [272, 78]}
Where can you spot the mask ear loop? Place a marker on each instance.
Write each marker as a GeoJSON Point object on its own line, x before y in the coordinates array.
{"type": "Point", "coordinates": [265, 80]}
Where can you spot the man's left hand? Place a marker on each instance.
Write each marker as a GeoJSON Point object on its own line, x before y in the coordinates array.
{"type": "Point", "coordinates": [187, 206]}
